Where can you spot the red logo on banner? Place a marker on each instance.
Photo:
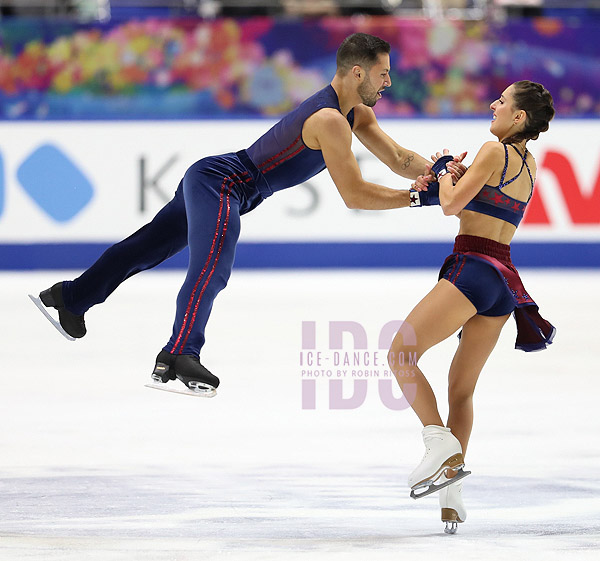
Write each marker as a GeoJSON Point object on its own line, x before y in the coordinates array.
{"type": "Point", "coordinates": [582, 208]}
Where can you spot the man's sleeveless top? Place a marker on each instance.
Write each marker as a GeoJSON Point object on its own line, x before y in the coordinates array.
{"type": "Point", "coordinates": [280, 154]}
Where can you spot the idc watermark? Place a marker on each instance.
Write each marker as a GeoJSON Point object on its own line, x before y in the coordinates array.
{"type": "Point", "coordinates": [341, 373]}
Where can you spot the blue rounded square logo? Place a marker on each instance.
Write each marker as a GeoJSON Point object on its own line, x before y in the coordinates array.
{"type": "Point", "coordinates": [55, 183]}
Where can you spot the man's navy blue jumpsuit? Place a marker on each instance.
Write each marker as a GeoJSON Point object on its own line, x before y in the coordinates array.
{"type": "Point", "coordinates": [205, 214]}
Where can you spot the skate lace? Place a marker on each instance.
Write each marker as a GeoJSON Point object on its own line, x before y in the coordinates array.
{"type": "Point", "coordinates": [427, 441]}
{"type": "Point", "coordinates": [431, 437]}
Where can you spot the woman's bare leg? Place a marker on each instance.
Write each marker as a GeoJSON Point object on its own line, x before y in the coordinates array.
{"type": "Point", "coordinates": [479, 337]}
{"type": "Point", "coordinates": [440, 314]}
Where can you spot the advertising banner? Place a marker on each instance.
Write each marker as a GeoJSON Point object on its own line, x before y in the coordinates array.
{"type": "Point", "coordinates": [88, 184]}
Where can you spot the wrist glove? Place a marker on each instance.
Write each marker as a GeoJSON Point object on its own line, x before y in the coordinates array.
{"type": "Point", "coordinates": [440, 165]}
{"type": "Point", "coordinates": [426, 198]}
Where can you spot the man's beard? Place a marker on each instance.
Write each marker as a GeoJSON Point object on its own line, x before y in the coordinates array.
{"type": "Point", "coordinates": [367, 93]}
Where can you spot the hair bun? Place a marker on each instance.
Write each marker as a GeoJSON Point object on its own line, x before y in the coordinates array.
{"type": "Point", "coordinates": [537, 102]}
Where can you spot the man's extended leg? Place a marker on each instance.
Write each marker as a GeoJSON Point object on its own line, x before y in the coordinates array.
{"type": "Point", "coordinates": [158, 240]}
{"type": "Point", "coordinates": [213, 208]}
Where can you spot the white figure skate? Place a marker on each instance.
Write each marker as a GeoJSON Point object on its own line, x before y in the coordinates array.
{"type": "Point", "coordinates": [451, 503]}
{"type": "Point", "coordinates": [442, 451]}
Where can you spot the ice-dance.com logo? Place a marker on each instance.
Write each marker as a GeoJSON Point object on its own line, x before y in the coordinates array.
{"type": "Point", "coordinates": [344, 373]}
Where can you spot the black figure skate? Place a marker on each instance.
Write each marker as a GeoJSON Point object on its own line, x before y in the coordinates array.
{"type": "Point", "coordinates": [69, 325]}
{"type": "Point", "coordinates": [198, 381]}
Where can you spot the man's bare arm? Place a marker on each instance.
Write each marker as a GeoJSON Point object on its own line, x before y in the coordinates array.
{"type": "Point", "coordinates": [328, 131]}
{"type": "Point", "coordinates": [400, 160]}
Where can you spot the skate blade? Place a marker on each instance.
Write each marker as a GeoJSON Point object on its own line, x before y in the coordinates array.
{"type": "Point", "coordinates": [55, 323]}
{"type": "Point", "coordinates": [451, 527]}
{"type": "Point", "coordinates": [456, 461]}
{"type": "Point", "coordinates": [460, 474]}
{"type": "Point", "coordinates": [209, 391]}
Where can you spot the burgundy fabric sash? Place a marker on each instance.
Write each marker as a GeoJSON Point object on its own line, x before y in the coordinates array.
{"type": "Point", "coordinates": [534, 333]}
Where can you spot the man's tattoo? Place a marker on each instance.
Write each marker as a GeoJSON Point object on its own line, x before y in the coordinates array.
{"type": "Point", "coordinates": [408, 160]}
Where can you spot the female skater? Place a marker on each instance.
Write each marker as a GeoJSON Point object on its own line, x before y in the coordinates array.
{"type": "Point", "coordinates": [478, 288]}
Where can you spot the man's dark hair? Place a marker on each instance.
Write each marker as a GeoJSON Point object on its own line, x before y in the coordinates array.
{"type": "Point", "coordinates": [360, 49]}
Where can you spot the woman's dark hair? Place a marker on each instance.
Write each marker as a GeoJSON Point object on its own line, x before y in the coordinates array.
{"type": "Point", "coordinates": [537, 103]}
{"type": "Point", "coordinates": [360, 49]}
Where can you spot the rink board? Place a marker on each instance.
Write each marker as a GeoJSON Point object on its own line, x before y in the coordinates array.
{"type": "Point", "coordinates": [350, 255]}
{"type": "Point", "coordinates": [81, 186]}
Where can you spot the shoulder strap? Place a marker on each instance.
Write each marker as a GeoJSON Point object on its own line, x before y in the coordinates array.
{"type": "Point", "coordinates": [501, 184]}
{"type": "Point", "coordinates": [523, 165]}
{"type": "Point", "coordinates": [524, 158]}
{"type": "Point", "coordinates": [530, 176]}
{"type": "Point", "coordinates": [518, 151]}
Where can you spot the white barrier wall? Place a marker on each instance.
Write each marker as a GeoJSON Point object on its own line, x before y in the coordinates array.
{"type": "Point", "coordinates": [82, 182]}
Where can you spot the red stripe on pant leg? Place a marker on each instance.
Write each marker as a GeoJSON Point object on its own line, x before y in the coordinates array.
{"type": "Point", "coordinates": [212, 249]}
{"type": "Point", "coordinates": [225, 224]}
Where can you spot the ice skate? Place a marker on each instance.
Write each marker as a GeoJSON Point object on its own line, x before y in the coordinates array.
{"type": "Point", "coordinates": [198, 381]}
{"type": "Point", "coordinates": [442, 451]}
{"type": "Point", "coordinates": [451, 503]}
{"type": "Point", "coordinates": [69, 324]}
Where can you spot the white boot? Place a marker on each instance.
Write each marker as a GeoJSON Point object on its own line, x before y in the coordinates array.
{"type": "Point", "coordinates": [451, 503]}
{"type": "Point", "coordinates": [442, 451]}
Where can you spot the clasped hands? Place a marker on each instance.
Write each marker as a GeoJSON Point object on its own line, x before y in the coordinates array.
{"type": "Point", "coordinates": [456, 168]}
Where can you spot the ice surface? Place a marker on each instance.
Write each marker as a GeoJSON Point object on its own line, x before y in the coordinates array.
{"type": "Point", "coordinates": [93, 466]}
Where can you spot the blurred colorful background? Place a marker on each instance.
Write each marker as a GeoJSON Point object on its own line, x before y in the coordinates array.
{"type": "Point", "coordinates": [163, 68]}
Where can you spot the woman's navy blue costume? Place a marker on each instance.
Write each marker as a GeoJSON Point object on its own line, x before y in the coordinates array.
{"type": "Point", "coordinates": [205, 214]}
{"type": "Point", "coordinates": [483, 271]}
